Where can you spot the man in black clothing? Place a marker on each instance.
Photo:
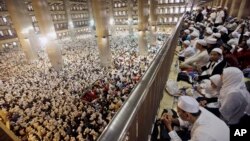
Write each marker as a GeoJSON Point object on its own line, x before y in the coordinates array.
{"type": "Point", "coordinates": [214, 66]}
{"type": "Point", "coordinates": [199, 17]}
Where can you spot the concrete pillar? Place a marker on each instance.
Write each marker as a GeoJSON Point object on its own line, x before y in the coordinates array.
{"type": "Point", "coordinates": [218, 3]}
{"type": "Point", "coordinates": [153, 21]}
{"type": "Point", "coordinates": [48, 33]}
{"type": "Point", "coordinates": [222, 3]}
{"type": "Point", "coordinates": [67, 7]}
{"type": "Point", "coordinates": [228, 4]}
{"type": "Point", "coordinates": [130, 16]}
{"type": "Point", "coordinates": [100, 17]}
{"type": "Point", "coordinates": [244, 9]}
{"type": "Point", "coordinates": [142, 26]}
{"type": "Point", "coordinates": [24, 28]}
{"type": "Point", "coordinates": [234, 8]}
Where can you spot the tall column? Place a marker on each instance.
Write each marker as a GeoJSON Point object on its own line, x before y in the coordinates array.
{"type": "Point", "coordinates": [67, 7]}
{"type": "Point", "coordinates": [101, 24]}
{"type": "Point", "coordinates": [48, 33]}
{"type": "Point", "coordinates": [130, 16]}
{"type": "Point", "coordinates": [142, 26]}
{"type": "Point", "coordinates": [218, 3]}
{"type": "Point", "coordinates": [153, 20]}
{"type": "Point", "coordinates": [228, 4]}
{"type": "Point", "coordinates": [234, 8]}
{"type": "Point", "coordinates": [244, 9]}
{"type": "Point", "coordinates": [24, 28]}
{"type": "Point", "coordinates": [222, 3]}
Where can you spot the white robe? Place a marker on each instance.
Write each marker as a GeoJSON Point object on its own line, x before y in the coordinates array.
{"type": "Point", "coordinates": [207, 127]}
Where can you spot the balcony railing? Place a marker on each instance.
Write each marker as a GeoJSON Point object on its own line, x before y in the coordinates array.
{"type": "Point", "coordinates": [135, 119]}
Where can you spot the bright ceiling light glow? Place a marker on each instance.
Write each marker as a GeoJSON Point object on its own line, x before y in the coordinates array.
{"type": "Point", "coordinates": [43, 41]}
{"type": "Point", "coordinates": [111, 21]}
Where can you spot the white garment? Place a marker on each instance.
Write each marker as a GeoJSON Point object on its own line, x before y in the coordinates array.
{"type": "Point", "coordinates": [207, 127]}
{"type": "Point", "coordinates": [204, 12]}
{"type": "Point", "coordinates": [233, 41]}
{"type": "Point", "coordinates": [234, 97]}
{"type": "Point", "coordinates": [212, 17]}
{"type": "Point", "coordinates": [219, 17]}
{"type": "Point", "coordinates": [199, 59]}
{"type": "Point", "coordinates": [187, 52]}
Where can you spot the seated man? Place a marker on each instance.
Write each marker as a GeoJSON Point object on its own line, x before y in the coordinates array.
{"type": "Point", "coordinates": [214, 66]}
{"type": "Point", "coordinates": [205, 125]}
{"type": "Point", "coordinates": [187, 51]}
{"type": "Point", "coordinates": [199, 59]}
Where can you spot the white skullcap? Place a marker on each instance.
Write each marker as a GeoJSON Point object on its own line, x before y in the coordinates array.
{"type": "Point", "coordinates": [191, 28]}
{"type": "Point", "coordinates": [217, 35]}
{"type": "Point", "coordinates": [186, 42]}
{"type": "Point", "coordinates": [235, 35]}
{"type": "Point", "coordinates": [202, 42]}
{"type": "Point", "coordinates": [248, 42]}
{"type": "Point", "coordinates": [216, 79]}
{"type": "Point", "coordinates": [209, 7]}
{"type": "Point", "coordinates": [219, 27]}
{"type": "Point", "coordinates": [195, 34]}
{"type": "Point", "coordinates": [246, 34]}
{"type": "Point", "coordinates": [232, 42]}
{"type": "Point", "coordinates": [211, 40]}
{"type": "Point", "coordinates": [217, 50]}
{"type": "Point", "coordinates": [226, 8]}
{"type": "Point", "coordinates": [209, 30]}
{"type": "Point", "coordinates": [187, 31]}
{"type": "Point", "coordinates": [213, 8]}
{"type": "Point", "coordinates": [224, 30]}
{"type": "Point", "coordinates": [188, 104]}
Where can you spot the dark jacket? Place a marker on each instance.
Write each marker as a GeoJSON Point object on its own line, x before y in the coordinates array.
{"type": "Point", "coordinates": [218, 69]}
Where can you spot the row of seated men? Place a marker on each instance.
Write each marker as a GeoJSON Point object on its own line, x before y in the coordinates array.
{"type": "Point", "coordinates": [215, 60]}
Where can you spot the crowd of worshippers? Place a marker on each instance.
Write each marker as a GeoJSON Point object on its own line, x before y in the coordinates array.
{"type": "Point", "coordinates": [215, 59]}
{"type": "Point", "coordinates": [75, 103]}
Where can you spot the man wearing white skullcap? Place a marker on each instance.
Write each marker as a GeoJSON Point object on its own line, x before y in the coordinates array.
{"type": "Point", "coordinates": [205, 125]}
{"type": "Point", "coordinates": [219, 17]}
{"type": "Point", "coordinates": [224, 34]}
{"type": "Point", "coordinates": [187, 52]}
{"type": "Point", "coordinates": [199, 59]}
{"type": "Point", "coordinates": [211, 44]}
{"type": "Point", "coordinates": [215, 65]}
{"type": "Point", "coordinates": [235, 39]}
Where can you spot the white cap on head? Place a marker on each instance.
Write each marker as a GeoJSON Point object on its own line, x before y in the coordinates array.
{"type": "Point", "coordinates": [202, 42]}
{"type": "Point", "coordinates": [209, 30]}
{"type": "Point", "coordinates": [217, 35]}
{"type": "Point", "coordinates": [218, 50]}
{"type": "Point", "coordinates": [226, 8]}
{"type": "Point", "coordinates": [187, 31]}
{"type": "Point", "coordinates": [188, 104]}
{"type": "Point", "coordinates": [235, 35]}
{"type": "Point", "coordinates": [191, 28]}
{"type": "Point", "coordinates": [211, 40]}
{"type": "Point", "coordinates": [224, 30]}
{"type": "Point", "coordinates": [186, 42]}
{"type": "Point", "coordinates": [195, 34]}
{"type": "Point", "coordinates": [247, 34]}
{"type": "Point", "coordinates": [219, 27]}
{"type": "Point", "coordinates": [248, 42]}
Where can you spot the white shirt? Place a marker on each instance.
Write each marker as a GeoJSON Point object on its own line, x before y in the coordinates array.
{"type": "Point", "coordinates": [187, 52]}
{"type": "Point", "coordinates": [199, 59]}
{"type": "Point", "coordinates": [207, 127]}
{"type": "Point", "coordinates": [220, 16]}
{"type": "Point", "coordinates": [212, 16]}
